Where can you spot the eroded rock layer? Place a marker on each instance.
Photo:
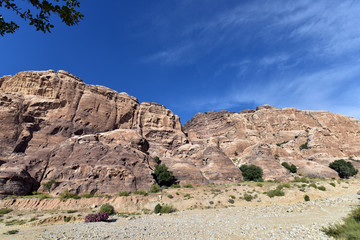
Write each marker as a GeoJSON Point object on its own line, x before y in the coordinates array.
{"type": "Point", "coordinates": [91, 139]}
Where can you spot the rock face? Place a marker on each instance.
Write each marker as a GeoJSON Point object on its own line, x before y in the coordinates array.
{"type": "Point", "coordinates": [91, 139]}
{"type": "Point", "coordinates": [269, 136]}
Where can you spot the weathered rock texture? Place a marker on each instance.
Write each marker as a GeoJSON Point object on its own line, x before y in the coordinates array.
{"type": "Point", "coordinates": [269, 136]}
{"type": "Point", "coordinates": [91, 139]}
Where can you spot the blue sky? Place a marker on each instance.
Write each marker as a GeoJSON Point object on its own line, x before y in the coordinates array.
{"type": "Point", "coordinates": [202, 55]}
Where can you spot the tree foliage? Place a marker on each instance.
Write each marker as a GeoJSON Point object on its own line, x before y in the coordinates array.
{"type": "Point", "coordinates": [163, 176]}
{"type": "Point", "coordinates": [39, 14]}
{"type": "Point", "coordinates": [292, 168]}
{"type": "Point", "coordinates": [344, 169]}
{"type": "Point", "coordinates": [252, 173]}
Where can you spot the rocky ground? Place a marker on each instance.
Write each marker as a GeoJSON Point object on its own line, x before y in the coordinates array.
{"type": "Point", "coordinates": [287, 217]}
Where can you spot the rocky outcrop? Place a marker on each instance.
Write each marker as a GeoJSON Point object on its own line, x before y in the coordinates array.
{"type": "Point", "coordinates": [269, 136]}
{"type": "Point", "coordinates": [91, 139]}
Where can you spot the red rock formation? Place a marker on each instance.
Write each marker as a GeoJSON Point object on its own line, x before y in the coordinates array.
{"type": "Point", "coordinates": [91, 139]}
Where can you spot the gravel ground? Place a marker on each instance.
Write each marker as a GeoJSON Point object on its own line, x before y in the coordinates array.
{"type": "Point", "coordinates": [296, 221]}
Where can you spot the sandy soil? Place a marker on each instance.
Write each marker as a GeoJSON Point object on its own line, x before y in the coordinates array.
{"type": "Point", "coordinates": [203, 213]}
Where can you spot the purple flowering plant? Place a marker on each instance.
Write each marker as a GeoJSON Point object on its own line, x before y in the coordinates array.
{"type": "Point", "coordinates": [97, 217]}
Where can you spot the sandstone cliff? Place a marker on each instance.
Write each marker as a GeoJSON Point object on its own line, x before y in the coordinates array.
{"type": "Point", "coordinates": [269, 136]}
{"type": "Point", "coordinates": [91, 139]}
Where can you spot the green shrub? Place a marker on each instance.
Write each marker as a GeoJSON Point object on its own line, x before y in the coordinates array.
{"type": "Point", "coordinates": [350, 229]}
{"type": "Point", "coordinates": [5, 211]}
{"type": "Point", "coordinates": [67, 219]}
{"type": "Point", "coordinates": [11, 232]}
{"type": "Point", "coordinates": [283, 185]}
{"type": "Point", "coordinates": [188, 186]}
{"type": "Point", "coordinates": [123, 194]}
{"type": "Point", "coordinates": [164, 208]}
{"type": "Point", "coordinates": [188, 196]}
{"type": "Point", "coordinates": [333, 184]}
{"type": "Point", "coordinates": [66, 195]}
{"type": "Point", "coordinates": [306, 198]}
{"type": "Point", "coordinates": [252, 173]}
{"type": "Point", "coordinates": [248, 197]}
{"type": "Point", "coordinates": [170, 196]}
{"type": "Point", "coordinates": [322, 188]}
{"type": "Point", "coordinates": [279, 144]}
{"type": "Point", "coordinates": [211, 202]}
{"type": "Point", "coordinates": [140, 192]}
{"type": "Point", "coordinates": [275, 192]}
{"type": "Point", "coordinates": [232, 197]}
{"type": "Point", "coordinates": [47, 186]}
{"type": "Point", "coordinates": [15, 222]}
{"type": "Point", "coordinates": [343, 168]}
{"type": "Point", "coordinates": [303, 180]}
{"type": "Point", "coordinates": [107, 208]}
{"type": "Point", "coordinates": [304, 146]}
{"type": "Point", "coordinates": [163, 176]}
{"type": "Point", "coordinates": [259, 184]}
{"type": "Point", "coordinates": [33, 219]}
{"type": "Point", "coordinates": [157, 160]}
{"type": "Point", "coordinates": [87, 195]}
{"type": "Point", "coordinates": [175, 186]}
{"type": "Point", "coordinates": [71, 211]}
{"type": "Point", "coordinates": [313, 185]}
{"type": "Point", "coordinates": [157, 208]}
{"type": "Point", "coordinates": [292, 168]}
{"type": "Point", "coordinates": [155, 188]}
{"type": "Point", "coordinates": [231, 201]}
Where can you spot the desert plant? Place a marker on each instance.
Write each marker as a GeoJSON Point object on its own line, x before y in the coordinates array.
{"type": "Point", "coordinates": [292, 168]}
{"type": "Point", "coordinates": [170, 196]}
{"type": "Point", "coordinates": [332, 184]}
{"type": "Point", "coordinates": [231, 201]}
{"type": "Point", "coordinates": [33, 219]}
{"type": "Point", "coordinates": [344, 169]}
{"type": "Point", "coordinates": [303, 180]}
{"type": "Point", "coordinates": [66, 195]}
{"type": "Point", "coordinates": [304, 146]}
{"type": "Point", "coordinates": [155, 188]}
{"type": "Point", "coordinates": [67, 219]}
{"type": "Point", "coordinates": [175, 186]}
{"type": "Point", "coordinates": [5, 211]}
{"type": "Point", "coordinates": [252, 173]}
{"type": "Point", "coordinates": [306, 198]}
{"type": "Point", "coordinates": [276, 192]}
{"type": "Point", "coordinates": [48, 185]}
{"type": "Point", "coordinates": [350, 229]}
{"type": "Point", "coordinates": [11, 232]}
{"type": "Point", "coordinates": [259, 185]}
{"type": "Point", "coordinates": [232, 197]}
{"type": "Point", "coordinates": [157, 160]}
{"type": "Point", "coordinates": [188, 186]}
{"type": "Point", "coordinates": [123, 194]}
{"type": "Point", "coordinates": [313, 185]}
{"type": "Point", "coordinates": [98, 217]}
{"type": "Point", "coordinates": [164, 208]}
{"type": "Point", "coordinates": [163, 176]}
{"type": "Point", "coordinates": [211, 202]}
{"type": "Point", "coordinates": [15, 222]}
{"type": "Point", "coordinates": [140, 192]}
{"type": "Point", "coordinates": [279, 144]}
{"type": "Point", "coordinates": [248, 197]}
{"type": "Point", "coordinates": [87, 195]}
{"type": "Point", "coordinates": [71, 211]}
{"type": "Point", "coordinates": [107, 208]}
{"type": "Point", "coordinates": [322, 188]}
